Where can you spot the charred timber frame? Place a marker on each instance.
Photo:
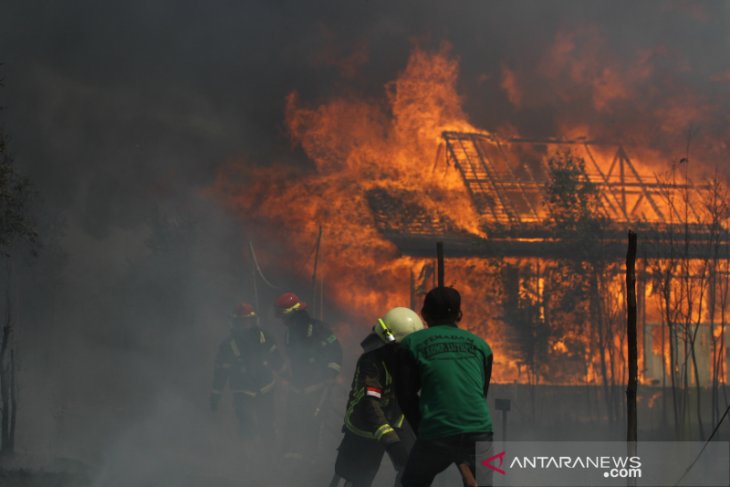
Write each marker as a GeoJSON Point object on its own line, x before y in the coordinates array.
{"type": "Point", "coordinates": [505, 195]}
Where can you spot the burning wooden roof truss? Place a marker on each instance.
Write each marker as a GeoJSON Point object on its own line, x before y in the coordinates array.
{"type": "Point", "coordinates": [508, 189]}
{"type": "Point", "coordinates": [506, 180]}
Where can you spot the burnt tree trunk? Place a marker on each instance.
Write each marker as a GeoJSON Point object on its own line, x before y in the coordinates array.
{"type": "Point", "coordinates": [4, 392]}
{"type": "Point", "coordinates": [704, 284]}
{"type": "Point", "coordinates": [8, 383]}
{"type": "Point", "coordinates": [599, 326]}
{"type": "Point", "coordinates": [13, 401]}
{"type": "Point", "coordinates": [671, 327]}
{"type": "Point", "coordinates": [6, 386]}
{"type": "Point", "coordinates": [698, 388]}
{"type": "Point", "coordinates": [317, 311]}
{"type": "Point", "coordinates": [631, 430]}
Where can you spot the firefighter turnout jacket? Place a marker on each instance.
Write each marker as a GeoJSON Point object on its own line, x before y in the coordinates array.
{"type": "Point", "coordinates": [246, 361]}
{"type": "Point", "coordinates": [315, 354]}
{"type": "Point", "coordinates": [372, 409]}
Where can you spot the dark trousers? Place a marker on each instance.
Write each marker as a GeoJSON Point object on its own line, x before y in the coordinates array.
{"type": "Point", "coordinates": [428, 458]}
{"type": "Point", "coordinates": [358, 458]}
{"type": "Point", "coordinates": [255, 416]}
{"type": "Point", "coordinates": [303, 421]}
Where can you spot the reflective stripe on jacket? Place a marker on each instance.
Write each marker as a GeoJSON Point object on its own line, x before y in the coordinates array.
{"type": "Point", "coordinates": [372, 409]}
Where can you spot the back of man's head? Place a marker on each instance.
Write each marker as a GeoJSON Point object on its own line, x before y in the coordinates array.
{"type": "Point", "coordinates": [442, 305]}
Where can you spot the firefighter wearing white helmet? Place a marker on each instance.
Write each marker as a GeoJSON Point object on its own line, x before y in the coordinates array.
{"type": "Point", "coordinates": [397, 324]}
{"type": "Point", "coordinates": [374, 423]}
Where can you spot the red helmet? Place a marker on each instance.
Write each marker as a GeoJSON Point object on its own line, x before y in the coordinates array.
{"type": "Point", "coordinates": [288, 303]}
{"type": "Point", "coordinates": [244, 310]}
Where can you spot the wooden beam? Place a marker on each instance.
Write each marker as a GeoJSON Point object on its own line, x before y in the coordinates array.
{"type": "Point", "coordinates": [631, 427]}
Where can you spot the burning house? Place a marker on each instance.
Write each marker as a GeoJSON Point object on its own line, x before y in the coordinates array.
{"type": "Point", "coordinates": [546, 292]}
{"type": "Point", "coordinates": [684, 256]}
{"type": "Point", "coordinates": [177, 159]}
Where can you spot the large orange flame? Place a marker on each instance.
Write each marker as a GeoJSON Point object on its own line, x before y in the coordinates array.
{"type": "Point", "coordinates": [357, 145]}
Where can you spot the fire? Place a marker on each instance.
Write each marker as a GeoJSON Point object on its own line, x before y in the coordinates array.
{"type": "Point", "coordinates": [357, 146]}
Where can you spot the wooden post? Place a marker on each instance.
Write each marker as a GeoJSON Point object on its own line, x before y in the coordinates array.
{"type": "Point", "coordinates": [631, 433]}
{"type": "Point", "coordinates": [468, 477]}
{"type": "Point", "coordinates": [314, 300]}
{"type": "Point", "coordinates": [440, 259]}
{"type": "Point", "coordinates": [503, 405]}
{"type": "Point", "coordinates": [256, 302]}
{"type": "Point", "coordinates": [413, 291]}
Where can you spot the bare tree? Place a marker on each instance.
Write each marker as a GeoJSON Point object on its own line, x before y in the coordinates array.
{"type": "Point", "coordinates": [586, 273]}
{"type": "Point", "coordinates": [663, 272]}
{"type": "Point", "coordinates": [690, 278]}
{"type": "Point", "coordinates": [717, 207]}
{"type": "Point", "coordinates": [16, 226]}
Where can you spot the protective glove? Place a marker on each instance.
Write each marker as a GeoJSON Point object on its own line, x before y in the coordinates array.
{"type": "Point", "coordinates": [398, 454]}
{"type": "Point", "coordinates": [215, 399]}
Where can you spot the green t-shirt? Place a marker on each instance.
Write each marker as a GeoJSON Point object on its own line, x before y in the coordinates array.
{"type": "Point", "coordinates": [451, 366]}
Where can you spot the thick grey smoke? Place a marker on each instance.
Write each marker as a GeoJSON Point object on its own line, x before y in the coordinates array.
{"type": "Point", "coordinates": [122, 113]}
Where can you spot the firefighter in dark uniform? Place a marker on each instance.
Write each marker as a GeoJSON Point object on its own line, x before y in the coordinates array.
{"type": "Point", "coordinates": [246, 361]}
{"type": "Point", "coordinates": [373, 420]}
{"type": "Point", "coordinates": [315, 359]}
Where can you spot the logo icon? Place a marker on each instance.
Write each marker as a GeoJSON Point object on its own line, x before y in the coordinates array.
{"type": "Point", "coordinates": [488, 462]}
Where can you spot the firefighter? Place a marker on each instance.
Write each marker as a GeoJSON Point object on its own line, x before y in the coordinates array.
{"type": "Point", "coordinates": [373, 420]}
{"type": "Point", "coordinates": [247, 361]}
{"type": "Point", "coordinates": [315, 360]}
{"type": "Point", "coordinates": [452, 368]}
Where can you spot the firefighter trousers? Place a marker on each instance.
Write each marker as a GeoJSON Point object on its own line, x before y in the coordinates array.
{"type": "Point", "coordinates": [358, 458]}
{"type": "Point", "coordinates": [255, 416]}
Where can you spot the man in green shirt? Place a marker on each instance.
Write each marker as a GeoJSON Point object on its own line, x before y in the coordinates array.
{"type": "Point", "coordinates": [451, 368]}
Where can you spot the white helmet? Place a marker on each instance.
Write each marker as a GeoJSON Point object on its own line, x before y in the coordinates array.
{"type": "Point", "coordinates": [397, 324]}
